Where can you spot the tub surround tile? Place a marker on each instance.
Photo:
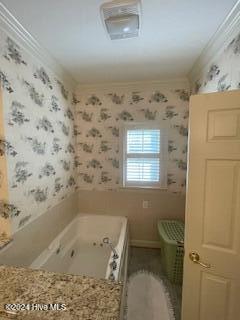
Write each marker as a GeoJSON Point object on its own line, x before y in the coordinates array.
{"type": "Point", "coordinates": [41, 231]}
{"type": "Point", "coordinates": [85, 298]}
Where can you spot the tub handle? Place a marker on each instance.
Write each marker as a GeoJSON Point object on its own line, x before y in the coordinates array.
{"type": "Point", "coordinates": [106, 240]}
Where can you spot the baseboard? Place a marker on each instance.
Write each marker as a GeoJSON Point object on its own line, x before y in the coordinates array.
{"type": "Point", "coordinates": [145, 243]}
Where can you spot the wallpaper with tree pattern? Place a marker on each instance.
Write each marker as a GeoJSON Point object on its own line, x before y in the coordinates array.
{"type": "Point", "coordinates": [39, 137]}
{"type": "Point", "coordinates": [100, 116]}
{"type": "Point", "coordinates": [223, 73]}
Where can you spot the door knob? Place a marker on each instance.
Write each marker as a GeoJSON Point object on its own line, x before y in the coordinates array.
{"type": "Point", "coordinates": [195, 258]}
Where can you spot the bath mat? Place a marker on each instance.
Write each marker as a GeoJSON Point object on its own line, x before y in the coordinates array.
{"type": "Point", "coordinates": [147, 298]}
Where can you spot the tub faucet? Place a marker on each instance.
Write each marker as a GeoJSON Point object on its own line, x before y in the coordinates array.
{"type": "Point", "coordinates": [107, 241]}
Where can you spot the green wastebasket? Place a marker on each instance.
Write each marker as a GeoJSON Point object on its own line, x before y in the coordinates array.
{"type": "Point", "coordinates": [171, 233]}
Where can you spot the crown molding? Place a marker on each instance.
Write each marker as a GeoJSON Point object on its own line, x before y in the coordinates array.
{"type": "Point", "coordinates": [225, 33]}
{"type": "Point", "coordinates": [10, 25]}
{"type": "Point", "coordinates": [171, 82]}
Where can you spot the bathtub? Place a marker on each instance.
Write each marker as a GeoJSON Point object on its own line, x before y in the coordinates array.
{"type": "Point", "coordinates": [79, 249]}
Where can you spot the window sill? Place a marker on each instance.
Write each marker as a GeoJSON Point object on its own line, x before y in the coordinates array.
{"type": "Point", "coordinates": [143, 188]}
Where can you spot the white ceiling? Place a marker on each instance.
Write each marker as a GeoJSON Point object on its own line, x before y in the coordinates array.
{"type": "Point", "coordinates": [173, 35]}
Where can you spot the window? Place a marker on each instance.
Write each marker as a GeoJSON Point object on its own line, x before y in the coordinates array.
{"type": "Point", "coordinates": [145, 156]}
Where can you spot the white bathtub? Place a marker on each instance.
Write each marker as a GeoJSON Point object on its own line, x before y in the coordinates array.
{"type": "Point", "coordinates": [79, 248]}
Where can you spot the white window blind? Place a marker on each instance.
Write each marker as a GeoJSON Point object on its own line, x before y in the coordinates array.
{"type": "Point", "coordinates": [145, 156]}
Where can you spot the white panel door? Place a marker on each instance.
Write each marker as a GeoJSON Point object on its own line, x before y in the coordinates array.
{"type": "Point", "coordinates": [211, 285]}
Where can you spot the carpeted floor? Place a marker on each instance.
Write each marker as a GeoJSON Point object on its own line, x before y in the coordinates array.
{"type": "Point", "coordinates": [150, 260]}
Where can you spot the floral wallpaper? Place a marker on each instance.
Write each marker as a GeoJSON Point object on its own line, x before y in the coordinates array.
{"type": "Point", "coordinates": [100, 115]}
{"type": "Point", "coordinates": [39, 135]}
{"type": "Point", "coordinates": [223, 73]}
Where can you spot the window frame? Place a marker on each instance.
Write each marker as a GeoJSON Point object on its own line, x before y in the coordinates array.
{"type": "Point", "coordinates": [163, 155]}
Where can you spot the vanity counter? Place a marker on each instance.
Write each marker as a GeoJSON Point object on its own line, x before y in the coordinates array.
{"type": "Point", "coordinates": [83, 297]}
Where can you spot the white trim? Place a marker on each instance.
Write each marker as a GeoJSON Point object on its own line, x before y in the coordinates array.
{"type": "Point", "coordinates": [10, 25]}
{"type": "Point", "coordinates": [145, 243]}
{"type": "Point", "coordinates": [142, 190]}
{"type": "Point", "coordinates": [182, 83]}
{"type": "Point", "coordinates": [222, 37]}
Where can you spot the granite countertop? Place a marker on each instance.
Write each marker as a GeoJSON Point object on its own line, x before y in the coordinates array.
{"type": "Point", "coordinates": [85, 298]}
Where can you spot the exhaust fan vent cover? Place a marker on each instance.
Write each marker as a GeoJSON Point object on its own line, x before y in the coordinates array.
{"type": "Point", "coordinates": [121, 18]}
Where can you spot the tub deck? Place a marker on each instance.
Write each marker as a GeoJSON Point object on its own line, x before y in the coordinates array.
{"type": "Point", "coordinates": [85, 297]}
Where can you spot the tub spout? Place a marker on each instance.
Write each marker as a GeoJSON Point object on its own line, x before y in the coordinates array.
{"type": "Point", "coordinates": [107, 241]}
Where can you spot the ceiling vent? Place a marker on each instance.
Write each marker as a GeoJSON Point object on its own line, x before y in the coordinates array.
{"type": "Point", "coordinates": [121, 18]}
